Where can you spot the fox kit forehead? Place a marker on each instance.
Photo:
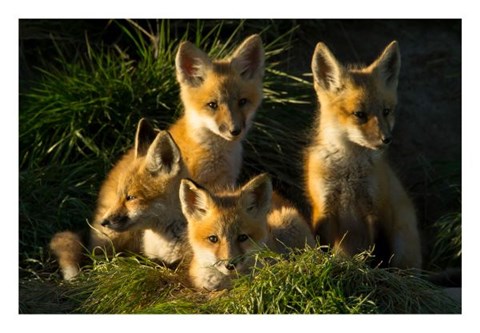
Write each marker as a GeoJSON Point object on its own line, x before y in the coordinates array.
{"type": "Point", "coordinates": [362, 92]}
{"type": "Point", "coordinates": [223, 81]}
{"type": "Point", "coordinates": [228, 211]}
{"type": "Point", "coordinates": [336, 82]}
{"type": "Point", "coordinates": [138, 180]}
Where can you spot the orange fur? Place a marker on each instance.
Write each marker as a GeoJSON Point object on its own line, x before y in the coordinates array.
{"type": "Point", "coordinates": [138, 209]}
{"type": "Point", "coordinates": [220, 99]}
{"type": "Point", "coordinates": [226, 227]}
{"type": "Point", "coordinates": [357, 201]}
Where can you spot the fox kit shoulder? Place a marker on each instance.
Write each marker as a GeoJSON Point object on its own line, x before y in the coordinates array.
{"type": "Point", "coordinates": [225, 228]}
{"type": "Point", "coordinates": [355, 196]}
{"type": "Point", "coordinates": [220, 98]}
{"type": "Point", "coordinates": [138, 209]}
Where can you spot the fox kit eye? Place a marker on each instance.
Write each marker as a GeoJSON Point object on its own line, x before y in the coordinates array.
{"type": "Point", "coordinates": [242, 238]}
{"type": "Point", "coordinates": [212, 105]}
{"type": "Point", "coordinates": [242, 102]}
{"type": "Point", "coordinates": [213, 238]}
{"type": "Point", "coordinates": [386, 111]}
{"type": "Point", "coordinates": [130, 197]}
{"type": "Point", "coordinates": [360, 115]}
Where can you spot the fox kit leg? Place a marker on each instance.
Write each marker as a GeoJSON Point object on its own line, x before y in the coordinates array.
{"type": "Point", "coordinates": [99, 241]}
{"type": "Point", "coordinates": [355, 233]}
{"type": "Point", "coordinates": [322, 226]}
{"type": "Point", "coordinates": [404, 236]}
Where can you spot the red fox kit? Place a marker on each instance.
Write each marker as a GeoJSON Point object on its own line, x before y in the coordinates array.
{"type": "Point", "coordinates": [356, 198]}
{"type": "Point", "coordinates": [220, 99]}
{"type": "Point", "coordinates": [138, 207]}
{"type": "Point", "coordinates": [224, 228]}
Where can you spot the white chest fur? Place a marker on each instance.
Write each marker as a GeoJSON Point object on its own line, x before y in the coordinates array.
{"type": "Point", "coordinates": [167, 249]}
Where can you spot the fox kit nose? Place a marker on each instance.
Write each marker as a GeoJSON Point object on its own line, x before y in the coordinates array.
{"type": "Point", "coordinates": [236, 131]}
{"type": "Point", "coordinates": [115, 221]}
{"type": "Point", "coordinates": [387, 140]}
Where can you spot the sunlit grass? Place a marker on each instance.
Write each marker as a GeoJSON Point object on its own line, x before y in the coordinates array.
{"type": "Point", "coordinates": [309, 282]}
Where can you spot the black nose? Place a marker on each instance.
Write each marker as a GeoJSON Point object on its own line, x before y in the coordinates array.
{"type": "Point", "coordinates": [387, 140]}
{"type": "Point", "coordinates": [230, 266]}
{"type": "Point", "coordinates": [235, 132]}
{"type": "Point", "coordinates": [115, 221]}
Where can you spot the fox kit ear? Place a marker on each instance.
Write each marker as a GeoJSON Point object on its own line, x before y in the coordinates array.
{"type": "Point", "coordinates": [144, 137]}
{"type": "Point", "coordinates": [256, 195]}
{"type": "Point", "coordinates": [249, 58]}
{"type": "Point", "coordinates": [194, 199]}
{"type": "Point", "coordinates": [191, 64]}
{"type": "Point", "coordinates": [327, 71]}
{"type": "Point", "coordinates": [388, 65]}
{"type": "Point", "coordinates": [163, 155]}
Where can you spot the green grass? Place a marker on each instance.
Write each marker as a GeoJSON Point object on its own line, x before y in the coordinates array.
{"type": "Point", "coordinates": [309, 282]}
{"type": "Point", "coordinates": [312, 282]}
{"type": "Point", "coordinates": [81, 97]}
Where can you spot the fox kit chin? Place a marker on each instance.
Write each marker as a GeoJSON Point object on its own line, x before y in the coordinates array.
{"type": "Point", "coordinates": [220, 99]}
{"type": "Point", "coordinates": [138, 209]}
{"type": "Point", "coordinates": [225, 228]}
{"type": "Point", "coordinates": [356, 198]}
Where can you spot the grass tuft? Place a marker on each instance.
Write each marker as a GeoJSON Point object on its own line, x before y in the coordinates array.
{"type": "Point", "coordinates": [447, 246]}
{"type": "Point", "coordinates": [316, 282]}
{"type": "Point", "coordinates": [309, 282]}
{"type": "Point", "coordinates": [125, 285]}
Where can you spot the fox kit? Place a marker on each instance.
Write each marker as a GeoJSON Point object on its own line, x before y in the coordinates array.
{"type": "Point", "coordinates": [356, 198]}
{"type": "Point", "coordinates": [220, 99]}
{"type": "Point", "coordinates": [138, 208]}
{"type": "Point", "coordinates": [224, 228]}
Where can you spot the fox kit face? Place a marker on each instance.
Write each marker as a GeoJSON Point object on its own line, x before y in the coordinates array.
{"type": "Point", "coordinates": [222, 96]}
{"type": "Point", "coordinates": [224, 229]}
{"type": "Point", "coordinates": [145, 187]}
{"type": "Point", "coordinates": [357, 104]}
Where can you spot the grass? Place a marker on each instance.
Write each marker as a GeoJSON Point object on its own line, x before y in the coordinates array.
{"type": "Point", "coordinates": [81, 97]}
{"type": "Point", "coordinates": [309, 282]}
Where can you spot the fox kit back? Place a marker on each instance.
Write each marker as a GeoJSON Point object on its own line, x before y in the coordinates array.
{"type": "Point", "coordinates": [138, 209]}
{"type": "Point", "coordinates": [220, 99]}
{"type": "Point", "coordinates": [225, 228]}
{"type": "Point", "coordinates": [357, 201]}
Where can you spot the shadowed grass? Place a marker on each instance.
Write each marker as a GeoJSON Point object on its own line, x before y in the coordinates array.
{"type": "Point", "coordinates": [447, 245]}
{"type": "Point", "coordinates": [52, 198]}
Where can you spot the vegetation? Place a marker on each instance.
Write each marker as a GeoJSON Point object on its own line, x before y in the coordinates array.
{"type": "Point", "coordinates": [308, 282]}
{"type": "Point", "coordinates": [82, 94]}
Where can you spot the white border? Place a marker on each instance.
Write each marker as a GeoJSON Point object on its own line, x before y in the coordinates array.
{"type": "Point", "coordinates": [240, 9]}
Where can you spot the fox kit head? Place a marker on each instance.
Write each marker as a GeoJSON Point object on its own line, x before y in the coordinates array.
{"type": "Point", "coordinates": [357, 104]}
{"type": "Point", "coordinates": [145, 186]}
{"type": "Point", "coordinates": [223, 229]}
{"type": "Point", "coordinates": [221, 96]}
